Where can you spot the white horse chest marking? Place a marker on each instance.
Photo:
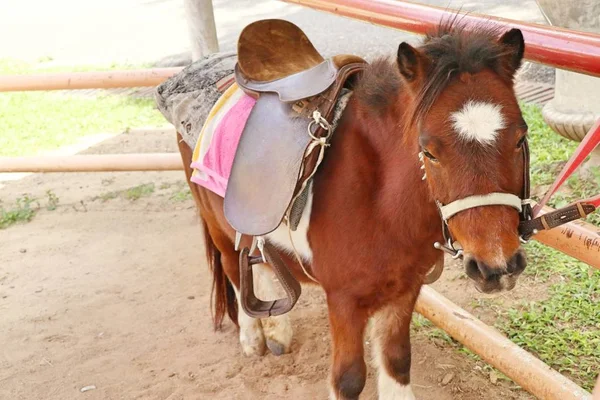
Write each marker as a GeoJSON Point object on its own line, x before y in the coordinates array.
{"type": "Point", "coordinates": [280, 237]}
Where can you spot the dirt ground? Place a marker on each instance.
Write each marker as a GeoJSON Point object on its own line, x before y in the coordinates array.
{"type": "Point", "coordinates": [114, 293]}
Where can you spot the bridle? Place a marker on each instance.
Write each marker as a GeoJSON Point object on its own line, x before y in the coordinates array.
{"type": "Point", "coordinates": [521, 203]}
{"type": "Point", "coordinates": [529, 221]}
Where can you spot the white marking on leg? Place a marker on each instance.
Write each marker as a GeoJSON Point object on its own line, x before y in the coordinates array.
{"type": "Point", "coordinates": [478, 121]}
{"type": "Point", "coordinates": [332, 394]}
{"type": "Point", "coordinates": [252, 338]}
{"type": "Point", "coordinates": [277, 330]}
{"type": "Point", "coordinates": [387, 387]}
{"type": "Point", "coordinates": [281, 239]}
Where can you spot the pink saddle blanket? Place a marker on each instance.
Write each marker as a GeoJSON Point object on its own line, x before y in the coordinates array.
{"type": "Point", "coordinates": [215, 149]}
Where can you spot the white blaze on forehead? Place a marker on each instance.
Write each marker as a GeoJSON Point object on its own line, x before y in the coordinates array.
{"type": "Point", "coordinates": [478, 121]}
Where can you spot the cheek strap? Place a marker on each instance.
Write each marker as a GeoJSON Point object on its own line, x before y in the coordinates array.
{"type": "Point", "coordinates": [492, 199]}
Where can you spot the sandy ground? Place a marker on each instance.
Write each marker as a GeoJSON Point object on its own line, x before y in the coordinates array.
{"type": "Point", "coordinates": [115, 293]}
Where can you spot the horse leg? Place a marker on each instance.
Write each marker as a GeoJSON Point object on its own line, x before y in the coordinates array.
{"type": "Point", "coordinates": [391, 349]}
{"type": "Point", "coordinates": [347, 324]}
{"type": "Point", "coordinates": [251, 334]}
{"type": "Point", "coordinates": [225, 261]}
{"type": "Point", "coordinates": [277, 330]}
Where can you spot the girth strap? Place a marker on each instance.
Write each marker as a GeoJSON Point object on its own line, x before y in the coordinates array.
{"type": "Point", "coordinates": [491, 199]}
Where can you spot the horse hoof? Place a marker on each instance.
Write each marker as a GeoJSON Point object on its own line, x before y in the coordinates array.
{"type": "Point", "coordinates": [276, 348]}
{"type": "Point", "coordinates": [278, 334]}
{"type": "Point", "coordinates": [254, 349]}
{"type": "Point", "coordinates": [252, 340]}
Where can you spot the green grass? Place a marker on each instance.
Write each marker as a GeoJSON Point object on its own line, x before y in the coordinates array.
{"type": "Point", "coordinates": [137, 192]}
{"type": "Point", "coordinates": [31, 122]}
{"type": "Point", "coordinates": [23, 211]}
{"type": "Point", "coordinates": [549, 153]}
{"type": "Point", "coordinates": [564, 329]}
{"type": "Point", "coordinates": [181, 195]}
{"type": "Point", "coordinates": [132, 194]}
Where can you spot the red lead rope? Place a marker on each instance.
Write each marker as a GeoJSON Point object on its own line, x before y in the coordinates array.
{"type": "Point", "coordinates": [589, 143]}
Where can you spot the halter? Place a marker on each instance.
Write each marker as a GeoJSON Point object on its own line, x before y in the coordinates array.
{"type": "Point", "coordinates": [522, 204]}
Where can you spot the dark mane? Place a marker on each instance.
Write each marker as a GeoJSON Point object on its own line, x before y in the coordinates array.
{"type": "Point", "coordinates": [452, 49]}
{"type": "Point", "coordinates": [379, 85]}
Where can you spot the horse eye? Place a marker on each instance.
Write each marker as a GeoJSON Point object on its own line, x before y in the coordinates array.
{"type": "Point", "coordinates": [521, 142]}
{"type": "Point", "coordinates": [429, 155]}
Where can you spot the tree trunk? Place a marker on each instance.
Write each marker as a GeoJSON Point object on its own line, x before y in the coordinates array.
{"type": "Point", "coordinates": [201, 26]}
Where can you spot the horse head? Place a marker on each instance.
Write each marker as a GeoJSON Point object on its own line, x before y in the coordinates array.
{"type": "Point", "coordinates": [473, 145]}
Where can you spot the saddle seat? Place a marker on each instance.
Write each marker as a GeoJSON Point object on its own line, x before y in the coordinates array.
{"type": "Point", "coordinates": [297, 91]}
{"type": "Point", "coordinates": [280, 67]}
{"type": "Point", "coordinates": [276, 56]}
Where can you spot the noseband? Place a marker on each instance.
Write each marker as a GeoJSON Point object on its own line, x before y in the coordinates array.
{"type": "Point", "coordinates": [530, 220]}
{"type": "Point", "coordinates": [522, 204]}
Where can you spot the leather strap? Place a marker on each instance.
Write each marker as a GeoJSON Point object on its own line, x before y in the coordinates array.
{"type": "Point", "coordinates": [580, 209]}
{"type": "Point", "coordinates": [251, 304]}
{"type": "Point", "coordinates": [556, 218]}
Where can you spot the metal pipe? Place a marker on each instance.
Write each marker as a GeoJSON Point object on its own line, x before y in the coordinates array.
{"type": "Point", "coordinates": [577, 239]}
{"type": "Point", "coordinates": [86, 80]}
{"type": "Point", "coordinates": [558, 47]}
{"type": "Point", "coordinates": [93, 163]}
{"type": "Point", "coordinates": [522, 367]}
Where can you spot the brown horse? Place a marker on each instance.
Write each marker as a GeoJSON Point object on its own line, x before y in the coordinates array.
{"type": "Point", "coordinates": [446, 109]}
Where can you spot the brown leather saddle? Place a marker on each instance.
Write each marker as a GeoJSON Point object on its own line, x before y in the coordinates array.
{"type": "Point", "coordinates": [296, 91]}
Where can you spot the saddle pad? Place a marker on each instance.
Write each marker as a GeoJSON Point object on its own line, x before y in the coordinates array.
{"type": "Point", "coordinates": [186, 98]}
{"type": "Point", "coordinates": [216, 146]}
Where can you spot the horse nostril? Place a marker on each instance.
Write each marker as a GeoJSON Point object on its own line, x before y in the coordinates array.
{"type": "Point", "coordinates": [517, 263]}
{"type": "Point", "coordinates": [487, 272]}
{"type": "Point", "coordinates": [473, 270]}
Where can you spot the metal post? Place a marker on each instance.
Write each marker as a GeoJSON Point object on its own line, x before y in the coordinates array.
{"type": "Point", "coordinates": [202, 28]}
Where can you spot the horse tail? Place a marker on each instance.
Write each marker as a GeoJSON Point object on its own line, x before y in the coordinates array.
{"type": "Point", "coordinates": [223, 299]}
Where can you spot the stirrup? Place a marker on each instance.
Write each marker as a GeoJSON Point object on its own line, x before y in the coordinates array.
{"type": "Point", "coordinates": [252, 305]}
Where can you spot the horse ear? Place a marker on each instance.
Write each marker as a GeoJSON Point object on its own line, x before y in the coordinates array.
{"type": "Point", "coordinates": [515, 44]}
{"type": "Point", "coordinates": [411, 63]}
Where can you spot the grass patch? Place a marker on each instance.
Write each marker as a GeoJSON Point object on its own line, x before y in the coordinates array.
{"type": "Point", "coordinates": [139, 191]}
{"type": "Point", "coordinates": [564, 329]}
{"type": "Point", "coordinates": [53, 200]}
{"type": "Point", "coordinates": [11, 66]}
{"type": "Point", "coordinates": [31, 122]}
{"type": "Point", "coordinates": [23, 211]}
{"type": "Point", "coordinates": [549, 153]}
{"type": "Point", "coordinates": [131, 194]}
{"type": "Point", "coordinates": [181, 195]}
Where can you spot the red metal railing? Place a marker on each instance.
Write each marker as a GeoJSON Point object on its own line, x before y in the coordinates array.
{"type": "Point", "coordinates": [561, 48]}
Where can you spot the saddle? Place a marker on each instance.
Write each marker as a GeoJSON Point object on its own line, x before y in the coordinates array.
{"type": "Point", "coordinates": [296, 90]}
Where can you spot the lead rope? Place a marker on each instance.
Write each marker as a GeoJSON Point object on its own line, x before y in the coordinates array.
{"type": "Point", "coordinates": [322, 142]}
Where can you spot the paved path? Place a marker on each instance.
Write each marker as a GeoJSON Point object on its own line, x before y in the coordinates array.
{"type": "Point", "coordinates": [143, 31]}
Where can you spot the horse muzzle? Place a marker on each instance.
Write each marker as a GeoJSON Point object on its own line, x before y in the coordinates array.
{"type": "Point", "coordinates": [494, 279]}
